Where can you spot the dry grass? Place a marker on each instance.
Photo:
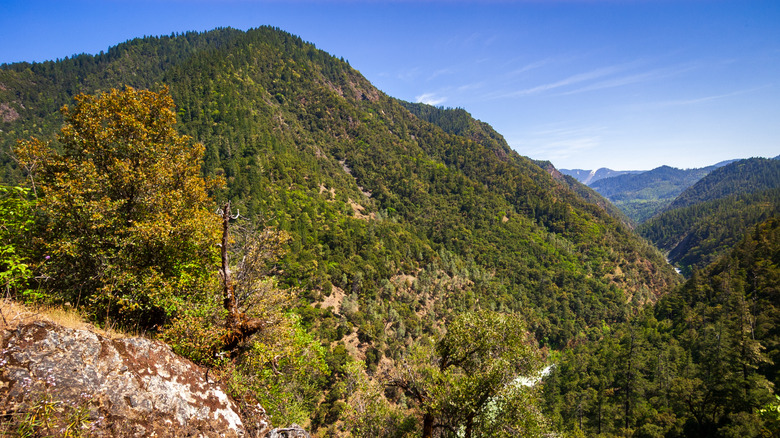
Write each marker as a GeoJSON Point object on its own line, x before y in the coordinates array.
{"type": "Point", "coordinates": [14, 314]}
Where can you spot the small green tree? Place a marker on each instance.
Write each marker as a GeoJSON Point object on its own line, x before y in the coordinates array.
{"type": "Point", "coordinates": [16, 220]}
{"type": "Point", "coordinates": [127, 221]}
{"type": "Point", "coordinates": [368, 413]}
{"type": "Point", "coordinates": [770, 414]}
{"type": "Point", "coordinates": [467, 379]}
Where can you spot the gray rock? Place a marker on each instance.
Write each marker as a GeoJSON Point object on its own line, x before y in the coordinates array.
{"type": "Point", "coordinates": [131, 387]}
{"type": "Point", "coordinates": [293, 431]}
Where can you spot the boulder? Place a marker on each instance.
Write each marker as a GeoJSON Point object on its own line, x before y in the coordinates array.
{"type": "Point", "coordinates": [293, 431]}
{"type": "Point", "coordinates": [121, 387]}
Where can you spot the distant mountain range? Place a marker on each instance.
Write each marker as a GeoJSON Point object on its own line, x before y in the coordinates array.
{"type": "Point", "coordinates": [694, 215]}
{"type": "Point", "coordinates": [642, 194]}
{"type": "Point", "coordinates": [588, 177]}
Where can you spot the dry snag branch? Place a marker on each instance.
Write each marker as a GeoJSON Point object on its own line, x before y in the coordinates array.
{"type": "Point", "coordinates": [239, 325]}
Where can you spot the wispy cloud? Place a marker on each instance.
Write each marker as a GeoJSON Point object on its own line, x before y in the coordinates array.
{"type": "Point", "coordinates": [560, 143]}
{"type": "Point", "coordinates": [529, 67]}
{"type": "Point", "coordinates": [571, 80]}
{"type": "Point", "coordinates": [612, 76]}
{"type": "Point", "coordinates": [651, 75]}
{"type": "Point", "coordinates": [430, 99]}
{"type": "Point", "coordinates": [473, 38]}
{"type": "Point", "coordinates": [698, 100]}
{"type": "Point", "coordinates": [471, 86]}
{"type": "Point", "coordinates": [557, 151]}
{"type": "Point", "coordinates": [490, 40]}
{"type": "Point", "coordinates": [441, 72]}
{"type": "Point", "coordinates": [408, 74]}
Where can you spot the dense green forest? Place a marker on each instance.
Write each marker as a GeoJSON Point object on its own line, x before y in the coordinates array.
{"type": "Point", "coordinates": [459, 122]}
{"type": "Point", "coordinates": [369, 192]}
{"type": "Point", "coordinates": [711, 216]}
{"type": "Point", "coordinates": [702, 362]}
{"type": "Point", "coordinates": [740, 177]}
{"type": "Point", "coordinates": [643, 195]}
{"type": "Point", "coordinates": [370, 235]}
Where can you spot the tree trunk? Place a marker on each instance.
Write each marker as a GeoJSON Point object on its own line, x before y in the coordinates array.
{"type": "Point", "coordinates": [239, 326]}
{"type": "Point", "coordinates": [427, 426]}
{"type": "Point", "coordinates": [228, 288]}
{"type": "Point", "coordinates": [469, 426]}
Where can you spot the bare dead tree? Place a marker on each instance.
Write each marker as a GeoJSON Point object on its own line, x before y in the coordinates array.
{"type": "Point", "coordinates": [239, 325]}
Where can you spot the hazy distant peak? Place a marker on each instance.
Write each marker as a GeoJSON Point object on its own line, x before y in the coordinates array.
{"type": "Point", "coordinates": [588, 177]}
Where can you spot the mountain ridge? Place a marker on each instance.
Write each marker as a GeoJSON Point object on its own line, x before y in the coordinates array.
{"type": "Point", "coordinates": [644, 194]}
{"type": "Point", "coordinates": [709, 217]}
{"type": "Point", "coordinates": [404, 217]}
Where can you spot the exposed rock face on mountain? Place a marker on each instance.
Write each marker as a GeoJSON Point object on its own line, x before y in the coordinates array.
{"type": "Point", "coordinates": [589, 177]}
{"type": "Point", "coordinates": [124, 387]}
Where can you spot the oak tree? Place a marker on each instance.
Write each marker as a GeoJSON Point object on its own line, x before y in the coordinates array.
{"type": "Point", "coordinates": [128, 223]}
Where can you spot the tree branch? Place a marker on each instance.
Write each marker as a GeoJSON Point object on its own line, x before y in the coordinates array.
{"type": "Point", "coordinates": [239, 326]}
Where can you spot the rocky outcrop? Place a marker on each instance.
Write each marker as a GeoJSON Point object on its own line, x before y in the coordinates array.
{"type": "Point", "coordinates": [7, 113]}
{"type": "Point", "coordinates": [122, 387]}
{"type": "Point", "coordinates": [293, 431]}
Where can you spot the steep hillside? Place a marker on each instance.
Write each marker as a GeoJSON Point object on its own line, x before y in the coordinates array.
{"type": "Point", "coordinates": [585, 192]}
{"type": "Point", "coordinates": [456, 121]}
{"type": "Point", "coordinates": [459, 122]}
{"type": "Point", "coordinates": [739, 177]}
{"type": "Point", "coordinates": [641, 196]}
{"type": "Point", "coordinates": [703, 362]}
{"type": "Point", "coordinates": [710, 217]}
{"type": "Point", "coordinates": [396, 223]}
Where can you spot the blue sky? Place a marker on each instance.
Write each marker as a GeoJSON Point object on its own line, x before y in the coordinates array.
{"type": "Point", "coordinates": [630, 84]}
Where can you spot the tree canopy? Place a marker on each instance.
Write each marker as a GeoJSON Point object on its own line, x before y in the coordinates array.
{"type": "Point", "coordinates": [124, 209]}
{"type": "Point", "coordinates": [466, 381]}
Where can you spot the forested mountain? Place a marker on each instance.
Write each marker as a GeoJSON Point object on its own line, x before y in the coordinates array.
{"type": "Point", "coordinates": [369, 191]}
{"type": "Point", "coordinates": [710, 217]}
{"type": "Point", "coordinates": [459, 122]}
{"type": "Point", "coordinates": [585, 192]}
{"type": "Point", "coordinates": [641, 196]}
{"type": "Point", "coordinates": [744, 176]}
{"type": "Point", "coordinates": [702, 362]}
{"type": "Point", "coordinates": [400, 217]}
{"type": "Point", "coordinates": [456, 121]}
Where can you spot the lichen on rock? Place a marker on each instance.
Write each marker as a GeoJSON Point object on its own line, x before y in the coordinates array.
{"type": "Point", "coordinates": [128, 387]}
